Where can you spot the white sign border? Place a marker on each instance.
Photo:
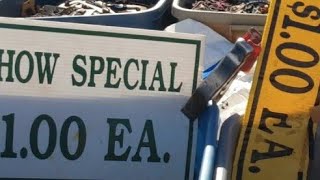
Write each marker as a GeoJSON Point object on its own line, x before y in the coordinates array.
{"type": "Point", "coordinates": [40, 26]}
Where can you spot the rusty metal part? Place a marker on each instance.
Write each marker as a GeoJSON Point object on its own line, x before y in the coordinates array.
{"type": "Point", "coordinates": [104, 6]}
{"type": "Point", "coordinates": [212, 5]}
{"type": "Point", "coordinates": [123, 7]}
{"type": "Point", "coordinates": [28, 8]}
{"type": "Point", "coordinates": [234, 6]}
{"type": "Point", "coordinates": [87, 5]}
{"type": "Point", "coordinates": [256, 7]}
{"type": "Point", "coordinates": [86, 8]}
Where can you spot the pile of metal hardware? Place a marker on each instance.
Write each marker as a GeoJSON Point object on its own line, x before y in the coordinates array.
{"type": "Point", "coordinates": [233, 6]}
{"type": "Point", "coordinates": [89, 7]}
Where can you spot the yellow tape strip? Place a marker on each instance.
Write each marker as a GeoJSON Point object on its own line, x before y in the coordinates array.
{"type": "Point", "coordinates": [274, 140]}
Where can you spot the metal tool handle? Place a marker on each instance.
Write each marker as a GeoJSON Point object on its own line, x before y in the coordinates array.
{"type": "Point", "coordinates": [228, 139]}
{"type": "Point", "coordinates": [214, 85]}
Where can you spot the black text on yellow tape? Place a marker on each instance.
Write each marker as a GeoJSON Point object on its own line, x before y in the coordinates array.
{"type": "Point", "coordinates": [273, 143]}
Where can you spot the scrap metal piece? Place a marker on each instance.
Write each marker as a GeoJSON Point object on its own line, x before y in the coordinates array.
{"type": "Point", "coordinates": [104, 7]}
{"type": "Point", "coordinates": [28, 8]}
{"type": "Point", "coordinates": [234, 6]}
{"type": "Point", "coordinates": [67, 11]}
{"type": "Point", "coordinates": [212, 5]}
{"type": "Point", "coordinates": [48, 10]}
{"type": "Point", "coordinates": [78, 12]}
{"type": "Point", "coordinates": [237, 8]}
{"type": "Point", "coordinates": [63, 5]}
{"type": "Point", "coordinates": [123, 7]}
{"type": "Point", "coordinates": [136, 7]}
{"type": "Point", "coordinates": [99, 3]}
{"type": "Point", "coordinates": [89, 12]}
{"type": "Point", "coordinates": [87, 8]}
{"type": "Point", "coordinates": [96, 8]}
{"type": "Point", "coordinates": [214, 86]}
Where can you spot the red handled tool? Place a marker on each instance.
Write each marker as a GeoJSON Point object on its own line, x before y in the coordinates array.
{"type": "Point", "coordinates": [253, 37]}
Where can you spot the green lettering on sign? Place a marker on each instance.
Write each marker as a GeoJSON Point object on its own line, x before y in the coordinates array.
{"type": "Point", "coordinates": [95, 71]}
{"type": "Point", "coordinates": [113, 138]}
{"type": "Point", "coordinates": [126, 73]}
{"type": "Point", "coordinates": [29, 57]}
{"type": "Point", "coordinates": [157, 76]}
{"type": "Point", "coordinates": [80, 70]}
{"type": "Point", "coordinates": [144, 72]}
{"type": "Point", "coordinates": [172, 88]}
{"type": "Point", "coordinates": [112, 72]}
{"type": "Point", "coordinates": [8, 64]}
{"type": "Point", "coordinates": [46, 68]}
{"type": "Point", "coordinates": [151, 144]}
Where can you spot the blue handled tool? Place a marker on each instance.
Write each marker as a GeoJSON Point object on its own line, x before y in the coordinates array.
{"type": "Point", "coordinates": [228, 139]}
{"type": "Point", "coordinates": [207, 142]}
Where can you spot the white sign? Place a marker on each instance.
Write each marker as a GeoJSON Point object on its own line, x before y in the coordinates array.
{"type": "Point", "coordinates": [94, 102]}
